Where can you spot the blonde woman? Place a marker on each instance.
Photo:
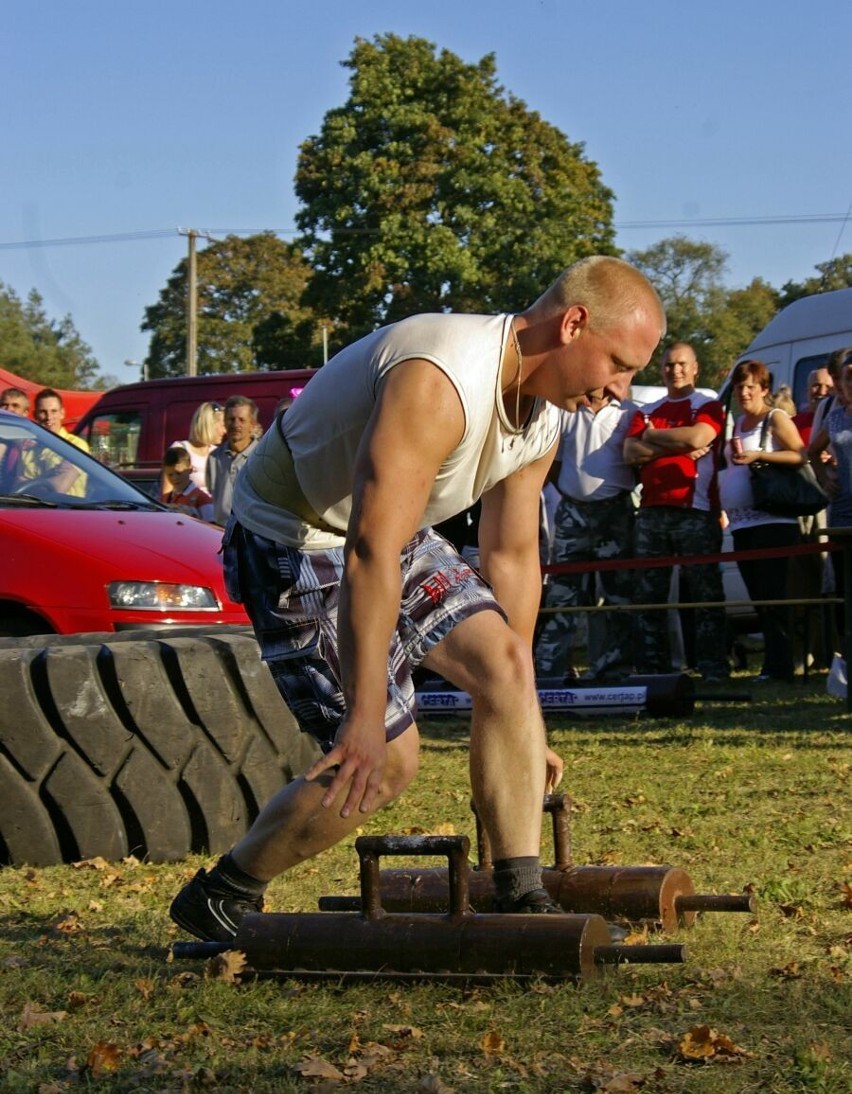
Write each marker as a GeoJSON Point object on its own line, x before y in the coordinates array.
{"type": "Point", "coordinates": [206, 432]}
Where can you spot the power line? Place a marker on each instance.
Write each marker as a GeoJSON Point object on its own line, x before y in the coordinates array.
{"type": "Point", "coordinates": [69, 241]}
{"type": "Point", "coordinates": [626, 225]}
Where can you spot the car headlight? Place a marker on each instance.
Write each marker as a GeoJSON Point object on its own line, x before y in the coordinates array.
{"type": "Point", "coordinates": [159, 596]}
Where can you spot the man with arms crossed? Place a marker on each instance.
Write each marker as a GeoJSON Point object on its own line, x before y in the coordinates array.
{"type": "Point", "coordinates": [673, 442]}
{"type": "Point", "coordinates": [349, 589]}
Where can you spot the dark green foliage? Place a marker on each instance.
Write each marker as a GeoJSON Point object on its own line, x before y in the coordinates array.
{"type": "Point", "coordinates": [834, 274]}
{"type": "Point", "coordinates": [433, 189]}
{"type": "Point", "coordinates": [40, 349]}
{"type": "Point", "coordinates": [719, 323]}
{"type": "Point", "coordinates": [249, 311]}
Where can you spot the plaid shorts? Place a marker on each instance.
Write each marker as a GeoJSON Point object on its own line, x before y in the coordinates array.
{"type": "Point", "coordinates": [292, 596]}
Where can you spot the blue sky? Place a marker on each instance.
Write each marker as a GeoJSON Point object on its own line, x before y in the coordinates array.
{"type": "Point", "coordinates": [123, 117]}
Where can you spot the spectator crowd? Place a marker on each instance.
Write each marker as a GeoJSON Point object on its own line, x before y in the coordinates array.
{"type": "Point", "coordinates": [657, 482]}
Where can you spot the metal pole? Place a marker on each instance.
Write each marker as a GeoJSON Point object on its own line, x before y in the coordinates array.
{"type": "Point", "coordinates": [191, 308]}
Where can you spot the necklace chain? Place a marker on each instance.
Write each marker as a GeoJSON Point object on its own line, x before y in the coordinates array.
{"type": "Point", "coordinates": [517, 347]}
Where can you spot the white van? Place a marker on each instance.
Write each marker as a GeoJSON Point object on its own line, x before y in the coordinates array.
{"type": "Point", "coordinates": [801, 337]}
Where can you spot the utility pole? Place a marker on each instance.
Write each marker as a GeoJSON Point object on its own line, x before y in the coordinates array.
{"type": "Point", "coordinates": [191, 303]}
{"type": "Point", "coordinates": [192, 299]}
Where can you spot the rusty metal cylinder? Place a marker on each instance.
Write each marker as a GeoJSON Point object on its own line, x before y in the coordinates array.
{"type": "Point", "coordinates": [635, 893]}
{"type": "Point", "coordinates": [562, 946]}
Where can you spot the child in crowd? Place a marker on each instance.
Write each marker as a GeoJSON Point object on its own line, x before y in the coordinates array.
{"type": "Point", "coordinates": [179, 491]}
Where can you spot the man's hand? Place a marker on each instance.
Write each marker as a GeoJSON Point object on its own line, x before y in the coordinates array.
{"type": "Point", "coordinates": [359, 756]}
{"type": "Point", "coordinates": [554, 770]}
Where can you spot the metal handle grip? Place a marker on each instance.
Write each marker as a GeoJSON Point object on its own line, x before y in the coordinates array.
{"type": "Point", "coordinates": [371, 848]}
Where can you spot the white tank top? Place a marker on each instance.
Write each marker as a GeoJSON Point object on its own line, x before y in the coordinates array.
{"type": "Point", "coordinates": [323, 428]}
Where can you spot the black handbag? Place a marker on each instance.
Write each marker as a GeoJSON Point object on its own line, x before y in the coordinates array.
{"type": "Point", "coordinates": [784, 490]}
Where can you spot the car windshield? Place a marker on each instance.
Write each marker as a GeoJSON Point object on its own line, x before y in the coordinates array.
{"type": "Point", "coordinates": [38, 467]}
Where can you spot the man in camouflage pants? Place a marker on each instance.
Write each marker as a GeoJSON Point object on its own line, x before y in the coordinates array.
{"type": "Point", "coordinates": [594, 521]}
{"type": "Point", "coordinates": [673, 442]}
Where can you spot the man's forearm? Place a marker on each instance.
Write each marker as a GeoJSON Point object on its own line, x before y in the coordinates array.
{"type": "Point", "coordinates": [517, 585]}
{"type": "Point", "coordinates": [678, 439]}
{"type": "Point", "coordinates": [369, 606]}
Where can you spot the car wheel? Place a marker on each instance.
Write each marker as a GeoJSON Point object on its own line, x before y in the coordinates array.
{"type": "Point", "coordinates": [156, 747]}
{"type": "Point", "coordinates": [19, 623]}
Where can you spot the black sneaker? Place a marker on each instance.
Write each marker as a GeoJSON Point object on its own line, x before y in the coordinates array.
{"type": "Point", "coordinates": [211, 912]}
{"type": "Point", "coordinates": [536, 902]}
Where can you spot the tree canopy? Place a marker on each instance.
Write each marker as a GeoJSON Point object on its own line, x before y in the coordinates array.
{"type": "Point", "coordinates": [433, 189]}
{"type": "Point", "coordinates": [834, 274]}
{"type": "Point", "coordinates": [250, 314]}
{"type": "Point", "coordinates": [41, 349]}
{"type": "Point", "coordinates": [717, 322]}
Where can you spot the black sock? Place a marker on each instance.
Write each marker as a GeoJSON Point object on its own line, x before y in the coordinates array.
{"type": "Point", "coordinates": [515, 877]}
{"type": "Point", "coordinates": [227, 872]}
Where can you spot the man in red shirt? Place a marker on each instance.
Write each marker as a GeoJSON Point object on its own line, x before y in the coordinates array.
{"type": "Point", "coordinates": [673, 442]}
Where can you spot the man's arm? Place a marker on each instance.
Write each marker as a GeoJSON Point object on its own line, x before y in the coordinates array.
{"type": "Point", "coordinates": [679, 439]}
{"type": "Point", "coordinates": [509, 557]}
{"type": "Point", "coordinates": [417, 422]}
{"type": "Point", "coordinates": [508, 543]}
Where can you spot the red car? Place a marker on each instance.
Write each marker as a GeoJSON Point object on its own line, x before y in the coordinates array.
{"type": "Point", "coordinates": [84, 550]}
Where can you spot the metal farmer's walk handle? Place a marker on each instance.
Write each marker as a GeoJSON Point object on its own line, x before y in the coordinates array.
{"type": "Point", "coordinates": [660, 894]}
{"type": "Point", "coordinates": [458, 944]}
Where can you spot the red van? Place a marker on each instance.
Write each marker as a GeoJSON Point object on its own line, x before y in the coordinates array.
{"type": "Point", "coordinates": [130, 427]}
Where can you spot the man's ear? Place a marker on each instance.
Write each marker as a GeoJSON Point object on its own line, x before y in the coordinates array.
{"type": "Point", "coordinates": [574, 320]}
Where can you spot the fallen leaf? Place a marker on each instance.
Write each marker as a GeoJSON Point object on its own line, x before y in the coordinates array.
{"type": "Point", "coordinates": [704, 1043]}
{"type": "Point", "coordinates": [404, 1031]}
{"type": "Point", "coordinates": [104, 1056]}
{"type": "Point", "coordinates": [145, 987]}
{"type": "Point", "coordinates": [96, 863]}
{"type": "Point", "coordinates": [492, 1044]}
{"type": "Point", "coordinates": [33, 1015]}
{"type": "Point", "coordinates": [315, 1067]}
{"type": "Point", "coordinates": [626, 1083]}
{"type": "Point", "coordinates": [184, 980]}
{"type": "Point", "coordinates": [637, 938]}
{"type": "Point", "coordinates": [227, 966]}
{"type": "Point", "coordinates": [67, 924]}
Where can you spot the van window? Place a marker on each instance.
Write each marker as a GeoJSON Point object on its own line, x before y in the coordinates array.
{"type": "Point", "coordinates": [114, 438]}
{"type": "Point", "coordinates": [801, 371]}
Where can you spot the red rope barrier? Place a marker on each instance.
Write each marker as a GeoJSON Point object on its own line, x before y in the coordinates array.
{"type": "Point", "coordinates": [597, 565]}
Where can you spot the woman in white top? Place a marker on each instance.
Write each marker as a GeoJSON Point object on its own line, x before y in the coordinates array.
{"type": "Point", "coordinates": [206, 432]}
{"type": "Point", "coordinates": [755, 529]}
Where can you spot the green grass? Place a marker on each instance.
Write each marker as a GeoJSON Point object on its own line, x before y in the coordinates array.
{"type": "Point", "coordinates": [738, 795]}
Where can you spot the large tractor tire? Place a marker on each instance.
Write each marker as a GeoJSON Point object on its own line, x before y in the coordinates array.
{"type": "Point", "coordinates": [145, 745]}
